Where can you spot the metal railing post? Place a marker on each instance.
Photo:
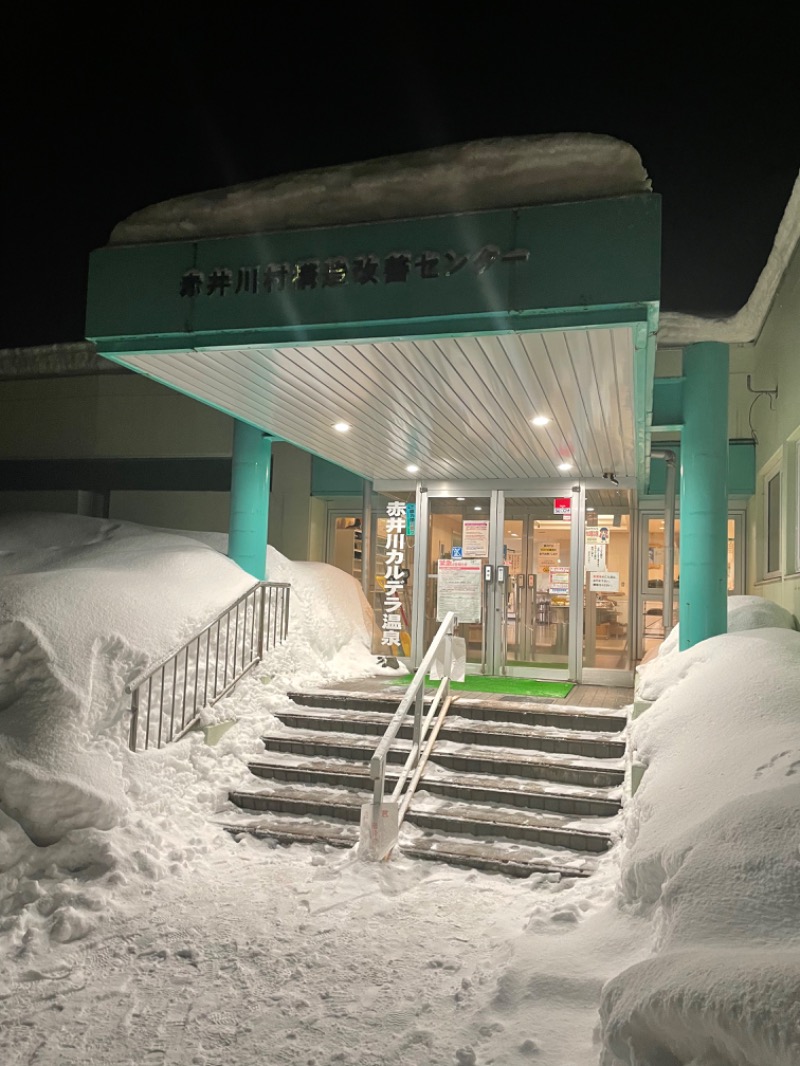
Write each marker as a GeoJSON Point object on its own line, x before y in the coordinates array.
{"type": "Point", "coordinates": [133, 738]}
{"type": "Point", "coordinates": [261, 607]}
{"type": "Point", "coordinates": [381, 818]}
{"type": "Point", "coordinates": [419, 705]}
{"type": "Point", "coordinates": [240, 656]}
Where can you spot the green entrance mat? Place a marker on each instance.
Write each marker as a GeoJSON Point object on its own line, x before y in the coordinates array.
{"type": "Point", "coordinates": [504, 686]}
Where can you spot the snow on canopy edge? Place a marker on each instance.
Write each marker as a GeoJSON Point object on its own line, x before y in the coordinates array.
{"type": "Point", "coordinates": [472, 176]}
{"type": "Point", "coordinates": [676, 329]}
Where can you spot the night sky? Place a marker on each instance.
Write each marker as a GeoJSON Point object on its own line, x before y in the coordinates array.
{"type": "Point", "coordinates": [101, 121]}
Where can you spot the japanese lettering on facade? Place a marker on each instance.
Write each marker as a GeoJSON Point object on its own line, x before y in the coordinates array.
{"type": "Point", "coordinates": [396, 574]}
{"type": "Point", "coordinates": [361, 271]}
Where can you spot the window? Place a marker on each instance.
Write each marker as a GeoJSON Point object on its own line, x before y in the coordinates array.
{"type": "Point", "coordinates": [772, 516]}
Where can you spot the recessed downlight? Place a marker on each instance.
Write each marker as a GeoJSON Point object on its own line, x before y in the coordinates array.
{"type": "Point", "coordinates": [477, 508]}
{"type": "Point", "coordinates": [540, 420]}
{"type": "Point", "coordinates": [565, 466]}
{"type": "Point", "coordinates": [460, 499]}
{"type": "Point", "coordinates": [412, 468]}
{"type": "Point", "coordinates": [341, 427]}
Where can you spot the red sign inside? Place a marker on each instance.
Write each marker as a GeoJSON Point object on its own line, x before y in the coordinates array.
{"type": "Point", "coordinates": [562, 504]}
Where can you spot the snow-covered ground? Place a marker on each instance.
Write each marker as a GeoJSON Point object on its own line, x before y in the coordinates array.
{"type": "Point", "coordinates": [133, 930]}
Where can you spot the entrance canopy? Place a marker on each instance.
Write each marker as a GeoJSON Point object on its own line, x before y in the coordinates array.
{"type": "Point", "coordinates": [436, 337]}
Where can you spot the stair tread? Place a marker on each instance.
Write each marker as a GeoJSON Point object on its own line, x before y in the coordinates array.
{"type": "Point", "coordinates": [489, 814]}
{"type": "Point", "coordinates": [478, 751]}
{"type": "Point", "coordinates": [500, 855]}
{"type": "Point", "coordinates": [455, 723]}
{"type": "Point", "coordinates": [302, 829]}
{"type": "Point", "coordinates": [614, 716]}
{"type": "Point", "coordinates": [437, 773]}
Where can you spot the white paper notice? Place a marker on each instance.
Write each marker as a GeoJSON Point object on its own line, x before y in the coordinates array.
{"type": "Point", "coordinates": [559, 580]}
{"type": "Point", "coordinates": [595, 556]}
{"type": "Point", "coordinates": [459, 589]}
{"type": "Point", "coordinates": [600, 581]}
{"type": "Point", "coordinates": [475, 538]}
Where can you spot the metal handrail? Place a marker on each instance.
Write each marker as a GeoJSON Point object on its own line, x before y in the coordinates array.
{"type": "Point", "coordinates": [372, 813]}
{"type": "Point", "coordinates": [207, 666]}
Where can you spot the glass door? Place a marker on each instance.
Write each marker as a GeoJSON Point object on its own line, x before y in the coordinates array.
{"type": "Point", "coordinates": [537, 534]}
{"type": "Point", "coordinates": [607, 601]}
{"type": "Point", "coordinates": [459, 550]}
{"type": "Point", "coordinates": [511, 568]}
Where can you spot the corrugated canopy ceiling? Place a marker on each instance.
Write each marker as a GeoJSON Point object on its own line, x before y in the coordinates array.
{"type": "Point", "coordinates": [454, 407]}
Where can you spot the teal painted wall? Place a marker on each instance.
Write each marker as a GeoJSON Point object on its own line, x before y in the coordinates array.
{"type": "Point", "coordinates": [741, 468]}
{"type": "Point", "coordinates": [328, 479]}
{"type": "Point", "coordinates": [583, 257]}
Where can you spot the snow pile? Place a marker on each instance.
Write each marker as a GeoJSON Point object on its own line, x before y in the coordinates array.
{"type": "Point", "coordinates": [744, 613]}
{"type": "Point", "coordinates": [476, 176]}
{"type": "Point", "coordinates": [330, 625]}
{"type": "Point", "coordinates": [86, 605]}
{"type": "Point", "coordinates": [712, 855]}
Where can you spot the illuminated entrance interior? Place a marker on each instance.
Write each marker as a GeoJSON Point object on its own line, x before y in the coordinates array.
{"type": "Point", "coordinates": [538, 591]}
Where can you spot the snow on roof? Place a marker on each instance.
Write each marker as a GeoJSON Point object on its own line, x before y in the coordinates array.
{"type": "Point", "coordinates": [676, 330]}
{"type": "Point", "coordinates": [475, 176]}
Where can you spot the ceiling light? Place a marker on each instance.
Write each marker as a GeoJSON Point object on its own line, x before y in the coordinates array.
{"type": "Point", "coordinates": [590, 508]}
{"type": "Point", "coordinates": [540, 420]}
{"type": "Point", "coordinates": [341, 427]}
{"type": "Point", "coordinates": [565, 466]}
{"type": "Point", "coordinates": [477, 508]}
{"type": "Point", "coordinates": [412, 469]}
{"type": "Point", "coordinates": [461, 498]}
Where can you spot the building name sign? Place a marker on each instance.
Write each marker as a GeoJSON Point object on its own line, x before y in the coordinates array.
{"type": "Point", "coordinates": [360, 271]}
{"type": "Point", "coordinates": [395, 574]}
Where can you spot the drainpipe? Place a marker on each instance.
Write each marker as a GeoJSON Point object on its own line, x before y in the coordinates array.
{"type": "Point", "coordinates": [670, 458]}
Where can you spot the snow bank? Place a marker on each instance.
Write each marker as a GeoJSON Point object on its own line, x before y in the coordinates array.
{"type": "Point", "coordinates": [478, 175]}
{"type": "Point", "coordinates": [711, 855]}
{"type": "Point", "coordinates": [87, 604]}
{"type": "Point", "coordinates": [744, 613]}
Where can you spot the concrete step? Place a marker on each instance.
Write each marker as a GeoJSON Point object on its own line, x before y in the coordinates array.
{"type": "Point", "coordinates": [467, 758]}
{"type": "Point", "coordinates": [528, 712]}
{"type": "Point", "coordinates": [438, 781]}
{"type": "Point", "coordinates": [512, 860]}
{"type": "Point", "coordinates": [477, 820]}
{"type": "Point", "coordinates": [287, 830]}
{"type": "Point", "coordinates": [496, 856]}
{"type": "Point", "coordinates": [463, 731]}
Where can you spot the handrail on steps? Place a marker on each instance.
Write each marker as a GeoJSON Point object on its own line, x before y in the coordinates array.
{"type": "Point", "coordinates": [381, 819]}
{"type": "Point", "coordinates": [207, 666]}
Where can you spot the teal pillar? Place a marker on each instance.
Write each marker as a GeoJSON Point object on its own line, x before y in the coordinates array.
{"type": "Point", "coordinates": [704, 494]}
{"type": "Point", "coordinates": [247, 531]}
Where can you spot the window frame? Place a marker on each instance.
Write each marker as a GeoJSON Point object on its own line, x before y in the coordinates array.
{"type": "Point", "coordinates": [772, 472]}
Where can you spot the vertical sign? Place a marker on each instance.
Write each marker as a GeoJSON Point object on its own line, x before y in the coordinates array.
{"type": "Point", "coordinates": [411, 519]}
{"type": "Point", "coordinates": [395, 574]}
